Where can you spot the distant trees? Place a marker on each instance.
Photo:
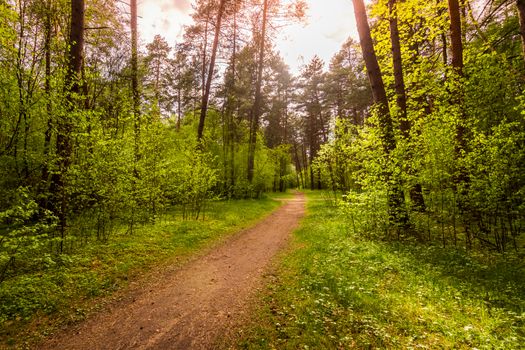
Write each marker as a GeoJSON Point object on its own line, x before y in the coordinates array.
{"type": "Point", "coordinates": [270, 11]}
{"type": "Point", "coordinates": [347, 86]}
{"type": "Point", "coordinates": [157, 62]}
{"type": "Point", "coordinates": [312, 100]}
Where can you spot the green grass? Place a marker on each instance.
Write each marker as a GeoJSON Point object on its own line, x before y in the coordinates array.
{"type": "Point", "coordinates": [36, 303]}
{"type": "Point", "coordinates": [338, 291]}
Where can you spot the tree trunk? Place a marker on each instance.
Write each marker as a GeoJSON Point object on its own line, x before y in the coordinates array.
{"type": "Point", "coordinates": [521, 11]}
{"type": "Point", "coordinates": [445, 48]}
{"type": "Point", "coordinates": [47, 90]}
{"type": "Point", "coordinates": [312, 175]}
{"type": "Point", "coordinates": [415, 191]}
{"type": "Point", "coordinates": [456, 42]}
{"type": "Point", "coordinates": [461, 180]}
{"type": "Point", "coordinates": [206, 95]}
{"type": "Point", "coordinates": [65, 124]}
{"type": "Point", "coordinates": [256, 113]}
{"type": "Point", "coordinates": [136, 108]}
{"type": "Point", "coordinates": [44, 180]}
{"type": "Point", "coordinates": [204, 52]}
{"type": "Point", "coordinates": [229, 143]}
{"type": "Point", "coordinates": [135, 78]}
{"type": "Point", "coordinates": [456, 48]}
{"type": "Point", "coordinates": [396, 200]}
{"type": "Point", "coordinates": [179, 109]}
{"type": "Point", "coordinates": [374, 76]}
{"type": "Point", "coordinates": [399, 84]}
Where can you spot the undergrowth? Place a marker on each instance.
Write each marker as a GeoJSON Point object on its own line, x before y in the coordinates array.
{"type": "Point", "coordinates": [336, 290]}
{"type": "Point", "coordinates": [37, 302]}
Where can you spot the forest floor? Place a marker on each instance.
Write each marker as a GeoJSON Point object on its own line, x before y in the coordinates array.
{"type": "Point", "coordinates": [339, 289]}
{"type": "Point", "coordinates": [194, 305]}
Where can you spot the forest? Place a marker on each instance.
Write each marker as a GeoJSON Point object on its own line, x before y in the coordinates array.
{"type": "Point", "coordinates": [413, 133]}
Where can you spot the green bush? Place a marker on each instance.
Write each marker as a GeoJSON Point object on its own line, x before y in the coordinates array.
{"type": "Point", "coordinates": [26, 232]}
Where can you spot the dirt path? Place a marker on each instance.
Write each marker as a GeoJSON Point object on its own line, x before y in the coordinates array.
{"type": "Point", "coordinates": [190, 307]}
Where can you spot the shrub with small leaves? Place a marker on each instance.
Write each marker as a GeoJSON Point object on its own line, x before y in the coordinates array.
{"type": "Point", "coordinates": [25, 233]}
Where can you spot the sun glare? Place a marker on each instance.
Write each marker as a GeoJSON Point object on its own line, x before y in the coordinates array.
{"type": "Point", "coordinates": [329, 23]}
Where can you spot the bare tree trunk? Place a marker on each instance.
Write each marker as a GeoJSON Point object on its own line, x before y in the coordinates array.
{"type": "Point", "coordinates": [204, 52]}
{"type": "Point", "coordinates": [445, 48]}
{"type": "Point", "coordinates": [456, 42]}
{"type": "Point", "coordinates": [20, 76]}
{"type": "Point", "coordinates": [135, 78]}
{"type": "Point", "coordinates": [65, 124]}
{"type": "Point", "coordinates": [231, 130]}
{"type": "Point", "coordinates": [396, 200]}
{"type": "Point", "coordinates": [179, 109]}
{"type": "Point", "coordinates": [312, 175]}
{"type": "Point", "coordinates": [256, 113]}
{"type": "Point", "coordinates": [401, 98]}
{"type": "Point", "coordinates": [206, 95]}
{"type": "Point", "coordinates": [136, 107]}
{"type": "Point", "coordinates": [374, 76]}
{"type": "Point", "coordinates": [49, 106]}
{"type": "Point", "coordinates": [305, 165]}
{"type": "Point", "coordinates": [521, 11]}
{"type": "Point", "coordinates": [298, 170]}
{"type": "Point", "coordinates": [415, 191]}
{"type": "Point", "coordinates": [229, 135]}
{"type": "Point", "coordinates": [461, 180]}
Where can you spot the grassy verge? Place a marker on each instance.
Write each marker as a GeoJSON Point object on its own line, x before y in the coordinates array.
{"type": "Point", "coordinates": [338, 291]}
{"type": "Point", "coordinates": [33, 304]}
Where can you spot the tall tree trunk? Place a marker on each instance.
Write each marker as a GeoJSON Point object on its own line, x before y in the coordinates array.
{"type": "Point", "coordinates": [135, 78]}
{"type": "Point", "coordinates": [179, 107]}
{"type": "Point", "coordinates": [65, 124]}
{"type": "Point", "coordinates": [20, 77]}
{"type": "Point", "coordinates": [445, 48]}
{"type": "Point", "coordinates": [232, 131]}
{"type": "Point", "coordinates": [396, 200]}
{"type": "Point", "coordinates": [305, 165]}
{"type": "Point", "coordinates": [136, 108]}
{"type": "Point", "coordinates": [49, 106]}
{"type": "Point", "coordinates": [521, 11]}
{"type": "Point", "coordinates": [397, 61]}
{"type": "Point", "coordinates": [415, 191]}
{"type": "Point", "coordinates": [374, 76]}
{"type": "Point", "coordinates": [206, 95]}
{"type": "Point", "coordinates": [256, 112]}
{"type": "Point", "coordinates": [456, 48]}
{"type": "Point", "coordinates": [312, 174]}
{"type": "Point", "coordinates": [461, 179]}
{"type": "Point", "coordinates": [298, 170]}
{"type": "Point", "coordinates": [456, 41]}
{"type": "Point", "coordinates": [22, 107]}
{"type": "Point", "coordinates": [229, 144]}
{"type": "Point", "coordinates": [204, 52]}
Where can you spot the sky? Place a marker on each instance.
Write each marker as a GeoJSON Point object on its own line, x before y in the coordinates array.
{"type": "Point", "coordinates": [328, 24]}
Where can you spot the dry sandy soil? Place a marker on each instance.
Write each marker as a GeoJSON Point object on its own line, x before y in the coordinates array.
{"type": "Point", "coordinates": [192, 306]}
